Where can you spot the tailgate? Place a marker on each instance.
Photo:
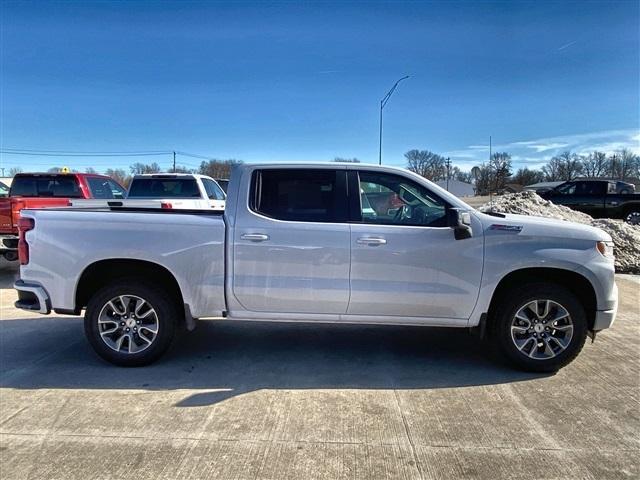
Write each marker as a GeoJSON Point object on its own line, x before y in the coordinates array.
{"type": "Point", "coordinates": [10, 210]}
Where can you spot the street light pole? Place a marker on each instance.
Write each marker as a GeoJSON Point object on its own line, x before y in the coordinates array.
{"type": "Point", "coordinates": [383, 102]}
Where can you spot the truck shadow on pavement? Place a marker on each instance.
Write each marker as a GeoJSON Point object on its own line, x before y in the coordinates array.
{"type": "Point", "coordinates": [227, 359]}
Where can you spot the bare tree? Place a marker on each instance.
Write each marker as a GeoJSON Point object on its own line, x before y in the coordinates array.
{"type": "Point", "coordinates": [624, 164]}
{"type": "Point", "coordinates": [460, 175]}
{"type": "Point", "coordinates": [525, 177]}
{"type": "Point", "coordinates": [13, 171]}
{"type": "Point", "coordinates": [90, 170]}
{"type": "Point", "coordinates": [595, 164]}
{"type": "Point", "coordinates": [119, 175]}
{"type": "Point", "coordinates": [428, 164]}
{"type": "Point", "coordinates": [551, 170]}
{"type": "Point", "coordinates": [563, 167]}
{"type": "Point", "coordinates": [484, 179]}
{"type": "Point", "coordinates": [140, 168]}
{"type": "Point", "coordinates": [500, 169]}
{"type": "Point", "coordinates": [182, 169]}
{"type": "Point", "coordinates": [218, 168]}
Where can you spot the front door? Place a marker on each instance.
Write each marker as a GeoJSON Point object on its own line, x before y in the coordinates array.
{"type": "Point", "coordinates": [405, 261]}
{"type": "Point", "coordinates": [291, 246]}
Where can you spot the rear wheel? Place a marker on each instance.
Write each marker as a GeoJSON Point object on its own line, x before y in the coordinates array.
{"type": "Point", "coordinates": [130, 322]}
{"type": "Point", "coordinates": [540, 327]}
{"type": "Point", "coordinates": [633, 217]}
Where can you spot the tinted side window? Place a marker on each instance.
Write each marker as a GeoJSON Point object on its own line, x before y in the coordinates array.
{"type": "Point", "coordinates": [214, 192]}
{"type": "Point", "coordinates": [104, 188]}
{"type": "Point", "coordinates": [590, 188]}
{"type": "Point", "coordinates": [46, 186]}
{"type": "Point", "coordinates": [394, 200]}
{"type": "Point", "coordinates": [567, 189]}
{"type": "Point", "coordinates": [301, 195]}
{"type": "Point", "coordinates": [224, 184]}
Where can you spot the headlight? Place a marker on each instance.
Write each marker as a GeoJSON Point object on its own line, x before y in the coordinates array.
{"type": "Point", "coordinates": [605, 248]}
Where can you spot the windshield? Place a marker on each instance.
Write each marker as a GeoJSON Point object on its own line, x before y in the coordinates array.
{"type": "Point", "coordinates": [164, 188]}
{"type": "Point", "coordinates": [64, 186]}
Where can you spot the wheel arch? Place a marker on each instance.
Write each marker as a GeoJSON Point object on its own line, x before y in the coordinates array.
{"type": "Point", "coordinates": [101, 272]}
{"type": "Point", "coordinates": [578, 284]}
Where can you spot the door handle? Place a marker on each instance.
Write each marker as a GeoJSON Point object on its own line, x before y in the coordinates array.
{"type": "Point", "coordinates": [371, 241]}
{"type": "Point", "coordinates": [254, 237]}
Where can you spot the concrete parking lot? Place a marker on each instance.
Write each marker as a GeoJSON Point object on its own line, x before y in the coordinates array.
{"type": "Point", "coordinates": [286, 401]}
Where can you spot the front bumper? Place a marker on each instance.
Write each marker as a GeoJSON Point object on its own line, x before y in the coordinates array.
{"type": "Point", "coordinates": [605, 318]}
{"type": "Point", "coordinates": [32, 297]}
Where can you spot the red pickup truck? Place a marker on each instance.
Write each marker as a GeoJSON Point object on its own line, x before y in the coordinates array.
{"type": "Point", "coordinates": [42, 190]}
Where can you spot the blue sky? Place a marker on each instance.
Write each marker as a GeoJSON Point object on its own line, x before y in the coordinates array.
{"type": "Point", "coordinates": [292, 81]}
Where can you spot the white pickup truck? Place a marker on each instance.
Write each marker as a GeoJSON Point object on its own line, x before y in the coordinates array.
{"type": "Point", "coordinates": [183, 191]}
{"type": "Point", "coordinates": [321, 243]}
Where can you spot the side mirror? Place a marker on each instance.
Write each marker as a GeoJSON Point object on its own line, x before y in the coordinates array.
{"type": "Point", "coordinates": [460, 221]}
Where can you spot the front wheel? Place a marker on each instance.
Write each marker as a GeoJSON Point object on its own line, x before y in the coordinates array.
{"type": "Point", "coordinates": [540, 327]}
{"type": "Point", "coordinates": [130, 322]}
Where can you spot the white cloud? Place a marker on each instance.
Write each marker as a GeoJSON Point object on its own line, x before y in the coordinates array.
{"type": "Point", "coordinates": [536, 152]}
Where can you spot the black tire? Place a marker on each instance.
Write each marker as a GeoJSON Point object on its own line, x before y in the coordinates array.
{"type": "Point", "coordinates": [166, 312]}
{"type": "Point", "coordinates": [632, 217]}
{"type": "Point", "coordinates": [517, 298]}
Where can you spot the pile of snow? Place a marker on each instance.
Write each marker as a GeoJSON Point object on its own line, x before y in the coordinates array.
{"type": "Point", "coordinates": [625, 237]}
{"type": "Point", "coordinates": [627, 243]}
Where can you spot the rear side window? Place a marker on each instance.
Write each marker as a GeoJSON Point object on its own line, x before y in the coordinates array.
{"type": "Point", "coordinates": [164, 188]}
{"type": "Point", "coordinates": [46, 186]}
{"type": "Point", "coordinates": [301, 195]}
{"type": "Point", "coordinates": [104, 188]}
{"type": "Point", "coordinates": [591, 188]}
{"type": "Point", "coordinates": [214, 192]}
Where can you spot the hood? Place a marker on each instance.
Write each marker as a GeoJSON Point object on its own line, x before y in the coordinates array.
{"type": "Point", "coordinates": [542, 226]}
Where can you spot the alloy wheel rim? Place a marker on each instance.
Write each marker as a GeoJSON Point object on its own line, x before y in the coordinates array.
{"type": "Point", "coordinates": [541, 329]}
{"type": "Point", "coordinates": [128, 324]}
{"type": "Point", "coordinates": [633, 218]}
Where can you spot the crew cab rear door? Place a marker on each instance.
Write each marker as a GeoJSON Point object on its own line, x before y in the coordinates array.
{"type": "Point", "coordinates": [291, 245]}
{"type": "Point", "coordinates": [405, 260]}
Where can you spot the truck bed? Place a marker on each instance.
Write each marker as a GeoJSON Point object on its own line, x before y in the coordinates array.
{"type": "Point", "coordinates": [188, 243]}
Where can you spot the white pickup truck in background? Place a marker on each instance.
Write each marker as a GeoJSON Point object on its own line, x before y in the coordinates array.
{"type": "Point", "coordinates": [338, 243]}
{"type": "Point", "coordinates": [184, 191]}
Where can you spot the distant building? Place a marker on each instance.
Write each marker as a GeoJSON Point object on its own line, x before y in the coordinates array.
{"type": "Point", "coordinates": [458, 188]}
{"type": "Point", "coordinates": [513, 188]}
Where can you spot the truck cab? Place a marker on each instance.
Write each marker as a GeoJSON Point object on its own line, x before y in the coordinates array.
{"type": "Point", "coordinates": [598, 198]}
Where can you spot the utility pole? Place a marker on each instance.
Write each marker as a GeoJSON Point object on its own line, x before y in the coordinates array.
{"type": "Point", "coordinates": [383, 102]}
{"type": "Point", "coordinates": [448, 171]}
{"type": "Point", "coordinates": [2, 171]}
{"type": "Point", "coordinates": [174, 162]}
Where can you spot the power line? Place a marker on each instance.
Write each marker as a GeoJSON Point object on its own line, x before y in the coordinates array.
{"type": "Point", "coordinates": [70, 153]}
{"type": "Point", "coordinates": [87, 152]}
{"type": "Point", "coordinates": [42, 154]}
{"type": "Point", "coordinates": [194, 155]}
